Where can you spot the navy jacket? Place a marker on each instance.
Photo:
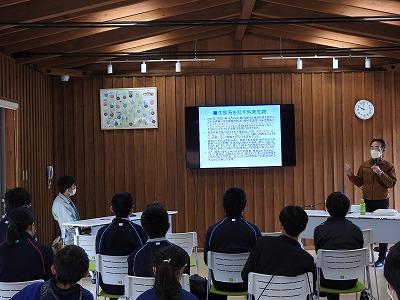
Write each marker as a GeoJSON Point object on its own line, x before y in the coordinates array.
{"type": "Point", "coordinates": [121, 237]}
{"type": "Point", "coordinates": [338, 234]}
{"type": "Point", "coordinates": [140, 261]}
{"type": "Point", "coordinates": [26, 260]}
{"type": "Point", "coordinates": [3, 228]}
{"type": "Point", "coordinates": [151, 295]}
{"type": "Point", "coordinates": [278, 255]}
{"type": "Point", "coordinates": [34, 291]}
{"type": "Point", "coordinates": [233, 234]}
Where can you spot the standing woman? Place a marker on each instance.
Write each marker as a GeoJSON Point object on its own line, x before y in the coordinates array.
{"type": "Point", "coordinates": [22, 258]}
{"type": "Point", "coordinates": [168, 265]}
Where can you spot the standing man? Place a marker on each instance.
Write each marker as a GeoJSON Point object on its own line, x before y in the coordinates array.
{"type": "Point", "coordinates": [375, 177]}
{"type": "Point", "coordinates": [64, 210]}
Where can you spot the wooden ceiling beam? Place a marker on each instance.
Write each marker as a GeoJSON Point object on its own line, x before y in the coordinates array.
{"type": "Point", "coordinates": [138, 10]}
{"type": "Point", "coordinates": [247, 9]}
{"type": "Point", "coordinates": [387, 6]}
{"type": "Point", "coordinates": [123, 35]}
{"type": "Point", "coordinates": [5, 3]}
{"type": "Point", "coordinates": [378, 31]}
{"type": "Point", "coordinates": [178, 7]}
{"type": "Point", "coordinates": [148, 46]}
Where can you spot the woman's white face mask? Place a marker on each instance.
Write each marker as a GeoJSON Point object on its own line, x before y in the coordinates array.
{"type": "Point", "coordinates": [376, 153]}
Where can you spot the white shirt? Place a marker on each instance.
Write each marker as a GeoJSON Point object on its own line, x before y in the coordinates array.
{"type": "Point", "coordinates": [64, 210]}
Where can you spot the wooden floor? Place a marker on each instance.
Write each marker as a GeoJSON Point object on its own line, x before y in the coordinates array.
{"type": "Point", "coordinates": [203, 272]}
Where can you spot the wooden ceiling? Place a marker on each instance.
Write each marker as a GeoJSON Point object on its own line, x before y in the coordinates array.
{"type": "Point", "coordinates": [51, 48]}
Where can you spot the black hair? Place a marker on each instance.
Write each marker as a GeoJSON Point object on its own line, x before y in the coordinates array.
{"type": "Point", "coordinates": [20, 219]}
{"type": "Point", "coordinates": [168, 261]}
{"type": "Point", "coordinates": [71, 264]}
{"type": "Point", "coordinates": [16, 197]}
{"type": "Point", "coordinates": [337, 205]}
{"type": "Point", "coordinates": [122, 204]}
{"type": "Point", "coordinates": [64, 183]}
{"type": "Point", "coordinates": [155, 221]}
{"type": "Point", "coordinates": [391, 270]}
{"type": "Point", "coordinates": [234, 201]}
{"type": "Point", "coordinates": [380, 141]}
{"type": "Point", "coordinates": [293, 219]}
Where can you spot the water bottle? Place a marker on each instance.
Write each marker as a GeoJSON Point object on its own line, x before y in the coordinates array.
{"type": "Point", "coordinates": [362, 207]}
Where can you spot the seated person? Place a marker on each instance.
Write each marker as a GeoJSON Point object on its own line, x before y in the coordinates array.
{"type": "Point", "coordinates": [233, 234]}
{"type": "Point", "coordinates": [14, 198]}
{"type": "Point", "coordinates": [64, 210]}
{"type": "Point", "coordinates": [337, 233]}
{"type": "Point", "coordinates": [70, 265]}
{"type": "Point", "coordinates": [155, 223]}
{"type": "Point", "coordinates": [282, 255]}
{"type": "Point", "coordinates": [22, 258]}
{"type": "Point", "coordinates": [121, 237]}
{"type": "Point", "coordinates": [169, 264]}
{"type": "Point", "coordinates": [392, 272]}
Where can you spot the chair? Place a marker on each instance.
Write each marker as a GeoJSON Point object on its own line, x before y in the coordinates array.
{"type": "Point", "coordinates": [9, 289]}
{"type": "Point", "coordinates": [262, 286]}
{"type": "Point", "coordinates": [135, 286]}
{"type": "Point", "coordinates": [187, 241]}
{"type": "Point", "coordinates": [276, 233]}
{"type": "Point", "coordinates": [343, 265]}
{"type": "Point", "coordinates": [369, 243]}
{"type": "Point", "coordinates": [225, 268]}
{"type": "Point", "coordinates": [113, 270]}
{"type": "Point", "coordinates": [87, 243]}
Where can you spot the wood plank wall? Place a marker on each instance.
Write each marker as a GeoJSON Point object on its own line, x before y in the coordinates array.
{"type": "Point", "coordinates": [151, 163]}
{"type": "Point", "coordinates": [33, 149]}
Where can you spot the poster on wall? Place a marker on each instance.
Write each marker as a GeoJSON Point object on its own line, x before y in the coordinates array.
{"type": "Point", "coordinates": [128, 108]}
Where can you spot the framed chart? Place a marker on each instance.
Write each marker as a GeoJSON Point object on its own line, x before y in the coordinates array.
{"type": "Point", "coordinates": [128, 108]}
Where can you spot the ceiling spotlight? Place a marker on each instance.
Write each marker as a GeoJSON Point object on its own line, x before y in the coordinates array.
{"type": "Point", "coordinates": [64, 78]}
{"type": "Point", "coordinates": [143, 67]}
{"type": "Point", "coordinates": [178, 67]}
{"type": "Point", "coordinates": [368, 63]}
{"type": "Point", "coordinates": [299, 64]}
{"type": "Point", "coordinates": [109, 68]}
{"type": "Point", "coordinates": [335, 63]}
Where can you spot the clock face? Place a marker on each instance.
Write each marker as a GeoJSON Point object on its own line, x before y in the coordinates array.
{"type": "Point", "coordinates": [364, 109]}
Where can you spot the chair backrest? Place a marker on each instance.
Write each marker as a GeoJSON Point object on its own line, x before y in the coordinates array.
{"type": "Point", "coordinates": [113, 269]}
{"type": "Point", "coordinates": [276, 233]}
{"type": "Point", "coordinates": [263, 286]}
{"type": "Point", "coordinates": [227, 267]}
{"type": "Point", "coordinates": [9, 289]}
{"type": "Point", "coordinates": [342, 264]}
{"type": "Point", "coordinates": [185, 240]}
{"type": "Point", "coordinates": [87, 243]}
{"type": "Point", "coordinates": [368, 237]}
{"type": "Point", "coordinates": [135, 286]}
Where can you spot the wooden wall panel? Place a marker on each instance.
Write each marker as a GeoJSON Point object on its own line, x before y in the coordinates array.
{"type": "Point", "coordinates": [151, 163]}
{"type": "Point", "coordinates": [33, 144]}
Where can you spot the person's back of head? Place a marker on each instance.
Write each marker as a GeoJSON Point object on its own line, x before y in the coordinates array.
{"type": "Point", "coordinates": [234, 201]}
{"type": "Point", "coordinates": [64, 183]}
{"type": "Point", "coordinates": [168, 265]}
{"type": "Point", "coordinates": [337, 205]}
{"type": "Point", "coordinates": [20, 220]}
{"type": "Point", "coordinates": [16, 197]}
{"type": "Point", "coordinates": [392, 271]}
{"type": "Point", "coordinates": [122, 204]}
{"type": "Point", "coordinates": [293, 220]}
{"type": "Point", "coordinates": [155, 221]}
{"type": "Point", "coordinates": [71, 264]}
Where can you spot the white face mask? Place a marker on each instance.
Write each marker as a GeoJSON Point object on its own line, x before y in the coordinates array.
{"type": "Point", "coordinates": [375, 153]}
{"type": "Point", "coordinates": [72, 192]}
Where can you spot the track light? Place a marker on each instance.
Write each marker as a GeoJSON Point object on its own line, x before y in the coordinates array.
{"type": "Point", "coordinates": [178, 67]}
{"type": "Point", "coordinates": [109, 68]}
{"type": "Point", "coordinates": [335, 63]}
{"type": "Point", "coordinates": [143, 67]}
{"type": "Point", "coordinates": [299, 64]}
{"type": "Point", "coordinates": [368, 63]}
{"type": "Point", "coordinates": [64, 78]}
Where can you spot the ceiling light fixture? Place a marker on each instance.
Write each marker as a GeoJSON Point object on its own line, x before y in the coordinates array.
{"type": "Point", "coordinates": [64, 78]}
{"type": "Point", "coordinates": [178, 67]}
{"type": "Point", "coordinates": [299, 64]}
{"type": "Point", "coordinates": [109, 68]}
{"type": "Point", "coordinates": [367, 63]}
{"type": "Point", "coordinates": [143, 67]}
{"type": "Point", "coordinates": [335, 63]}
